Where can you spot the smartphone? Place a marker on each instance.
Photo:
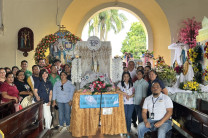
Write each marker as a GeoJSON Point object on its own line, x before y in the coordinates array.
{"type": "Point", "coordinates": [56, 107]}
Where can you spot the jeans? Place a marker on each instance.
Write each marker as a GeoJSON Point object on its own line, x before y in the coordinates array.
{"type": "Point", "coordinates": [138, 109]}
{"type": "Point", "coordinates": [128, 108]}
{"type": "Point", "coordinates": [162, 130]}
{"type": "Point", "coordinates": [64, 113]}
{"type": "Point", "coordinates": [134, 116]}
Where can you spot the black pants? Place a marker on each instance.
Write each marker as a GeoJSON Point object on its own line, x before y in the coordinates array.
{"type": "Point", "coordinates": [134, 117]}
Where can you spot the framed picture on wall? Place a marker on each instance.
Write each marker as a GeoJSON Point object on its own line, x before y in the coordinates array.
{"type": "Point", "coordinates": [25, 40]}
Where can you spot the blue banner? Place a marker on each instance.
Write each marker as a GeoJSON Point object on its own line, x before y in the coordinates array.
{"type": "Point", "coordinates": [93, 101]}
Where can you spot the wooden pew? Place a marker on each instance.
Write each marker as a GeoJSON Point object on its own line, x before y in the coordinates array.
{"type": "Point", "coordinates": [202, 106]}
{"type": "Point", "coordinates": [186, 117]}
{"type": "Point", "coordinates": [7, 109]}
{"type": "Point", "coordinates": [27, 122]}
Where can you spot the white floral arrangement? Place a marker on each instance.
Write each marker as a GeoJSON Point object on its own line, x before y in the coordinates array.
{"type": "Point", "coordinates": [117, 69]}
{"type": "Point", "coordinates": [92, 76]}
{"type": "Point", "coordinates": [76, 70]}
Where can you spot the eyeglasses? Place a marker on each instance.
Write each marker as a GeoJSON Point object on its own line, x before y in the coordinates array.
{"type": "Point", "coordinates": [62, 87]}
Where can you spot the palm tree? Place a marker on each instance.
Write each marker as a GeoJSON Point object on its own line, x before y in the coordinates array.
{"type": "Point", "coordinates": [105, 21]}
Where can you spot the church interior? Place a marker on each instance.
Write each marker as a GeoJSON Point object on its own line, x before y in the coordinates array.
{"type": "Point", "coordinates": [30, 30]}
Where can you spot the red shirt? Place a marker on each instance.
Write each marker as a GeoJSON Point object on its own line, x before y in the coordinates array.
{"type": "Point", "coordinates": [11, 91]}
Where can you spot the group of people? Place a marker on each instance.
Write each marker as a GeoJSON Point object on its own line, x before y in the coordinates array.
{"type": "Point", "coordinates": [145, 98]}
{"type": "Point", "coordinates": [52, 85]}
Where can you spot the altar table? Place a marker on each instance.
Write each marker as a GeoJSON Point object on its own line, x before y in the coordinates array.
{"type": "Point", "coordinates": [188, 99]}
{"type": "Point", "coordinates": [84, 122]}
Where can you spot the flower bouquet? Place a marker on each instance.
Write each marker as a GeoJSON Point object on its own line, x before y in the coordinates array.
{"type": "Point", "coordinates": [167, 74]}
{"type": "Point", "coordinates": [206, 50]}
{"type": "Point", "coordinates": [191, 85]}
{"type": "Point", "coordinates": [159, 61]}
{"type": "Point", "coordinates": [147, 54]}
{"type": "Point", "coordinates": [178, 69]}
{"type": "Point", "coordinates": [196, 54]}
{"type": "Point", "coordinates": [98, 86]}
{"type": "Point", "coordinates": [189, 31]}
{"type": "Point", "coordinates": [196, 57]}
{"type": "Point", "coordinates": [205, 75]}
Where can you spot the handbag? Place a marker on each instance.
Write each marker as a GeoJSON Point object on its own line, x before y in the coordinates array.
{"type": "Point", "coordinates": [26, 101]}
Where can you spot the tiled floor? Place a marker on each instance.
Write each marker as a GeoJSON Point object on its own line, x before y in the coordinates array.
{"type": "Point", "coordinates": [65, 134]}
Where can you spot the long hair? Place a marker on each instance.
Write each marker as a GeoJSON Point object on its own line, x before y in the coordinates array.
{"type": "Point", "coordinates": [130, 80]}
{"type": "Point", "coordinates": [41, 73]}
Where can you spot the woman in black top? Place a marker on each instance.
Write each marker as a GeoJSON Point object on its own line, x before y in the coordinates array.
{"type": "Point", "coordinates": [43, 91]}
{"type": "Point", "coordinates": [23, 87]}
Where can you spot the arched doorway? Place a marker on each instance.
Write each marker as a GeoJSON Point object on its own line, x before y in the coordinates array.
{"type": "Point", "coordinates": [149, 12]}
{"type": "Point", "coordinates": [118, 38]}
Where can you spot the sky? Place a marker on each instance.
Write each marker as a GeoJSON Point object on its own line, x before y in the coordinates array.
{"type": "Point", "coordinates": [115, 39]}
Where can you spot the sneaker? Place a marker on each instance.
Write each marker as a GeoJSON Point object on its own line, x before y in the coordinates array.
{"type": "Point", "coordinates": [67, 128]}
{"type": "Point", "coordinates": [56, 127]}
{"type": "Point", "coordinates": [135, 125]}
{"type": "Point", "coordinates": [128, 136]}
{"type": "Point", "coordinates": [60, 128]}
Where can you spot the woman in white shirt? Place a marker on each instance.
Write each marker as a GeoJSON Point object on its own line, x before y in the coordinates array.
{"type": "Point", "coordinates": [125, 87]}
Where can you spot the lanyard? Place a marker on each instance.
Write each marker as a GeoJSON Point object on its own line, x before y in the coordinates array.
{"type": "Point", "coordinates": [154, 103]}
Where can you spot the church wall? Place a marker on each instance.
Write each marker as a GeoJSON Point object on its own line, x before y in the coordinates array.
{"type": "Point", "coordinates": [178, 10]}
{"type": "Point", "coordinates": [164, 18]}
{"type": "Point", "coordinates": [38, 15]}
{"type": "Point", "coordinates": [154, 15]}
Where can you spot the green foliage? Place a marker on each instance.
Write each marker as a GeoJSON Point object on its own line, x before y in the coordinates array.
{"type": "Point", "coordinates": [167, 74]}
{"type": "Point", "coordinates": [104, 21]}
{"type": "Point", "coordinates": [135, 41]}
{"type": "Point", "coordinates": [181, 85]}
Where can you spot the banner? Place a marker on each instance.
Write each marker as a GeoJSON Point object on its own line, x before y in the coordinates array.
{"type": "Point", "coordinates": [93, 101]}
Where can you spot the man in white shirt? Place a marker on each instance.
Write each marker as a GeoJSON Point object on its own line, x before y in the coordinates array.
{"type": "Point", "coordinates": [131, 69]}
{"type": "Point", "coordinates": [160, 108]}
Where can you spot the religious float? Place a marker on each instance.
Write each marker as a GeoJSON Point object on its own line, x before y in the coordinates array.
{"type": "Point", "coordinates": [96, 104]}
{"type": "Point", "coordinates": [94, 72]}
{"type": "Point", "coordinates": [59, 45]}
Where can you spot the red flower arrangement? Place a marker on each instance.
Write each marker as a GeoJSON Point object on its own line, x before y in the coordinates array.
{"type": "Point", "coordinates": [206, 50]}
{"type": "Point", "coordinates": [178, 69]}
{"type": "Point", "coordinates": [48, 40]}
{"type": "Point", "coordinates": [98, 86]}
{"type": "Point", "coordinates": [189, 32]}
{"type": "Point", "coordinates": [159, 61]}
